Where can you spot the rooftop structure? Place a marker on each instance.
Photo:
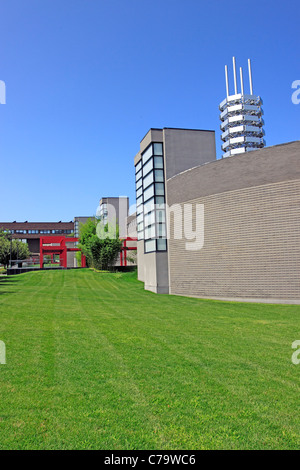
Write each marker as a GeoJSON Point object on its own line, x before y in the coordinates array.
{"type": "Point", "coordinates": [241, 116]}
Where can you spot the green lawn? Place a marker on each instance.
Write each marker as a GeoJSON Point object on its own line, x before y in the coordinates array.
{"type": "Point", "coordinates": [94, 361]}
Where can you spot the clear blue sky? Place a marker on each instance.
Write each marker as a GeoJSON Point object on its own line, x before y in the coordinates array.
{"type": "Point", "coordinates": [86, 79]}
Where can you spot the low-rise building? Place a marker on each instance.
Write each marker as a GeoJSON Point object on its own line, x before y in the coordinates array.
{"type": "Point", "coordinates": [31, 232]}
{"type": "Point", "coordinates": [114, 210]}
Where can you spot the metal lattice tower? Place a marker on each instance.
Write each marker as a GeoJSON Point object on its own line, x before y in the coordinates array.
{"type": "Point", "coordinates": [241, 117]}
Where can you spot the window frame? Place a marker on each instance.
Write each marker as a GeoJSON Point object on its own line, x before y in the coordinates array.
{"type": "Point", "coordinates": [142, 210]}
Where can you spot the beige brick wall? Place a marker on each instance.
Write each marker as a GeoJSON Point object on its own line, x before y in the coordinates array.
{"type": "Point", "coordinates": [251, 246]}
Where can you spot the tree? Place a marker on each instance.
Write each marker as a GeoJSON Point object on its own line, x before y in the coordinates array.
{"type": "Point", "coordinates": [78, 258]}
{"type": "Point", "coordinates": [86, 232]}
{"type": "Point", "coordinates": [19, 250]}
{"type": "Point", "coordinates": [4, 248]}
{"type": "Point", "coordinates": [100, 243]}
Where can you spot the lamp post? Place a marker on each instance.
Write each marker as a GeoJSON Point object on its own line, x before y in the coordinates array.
{"type": "Point", "coordinates": [10, 238]}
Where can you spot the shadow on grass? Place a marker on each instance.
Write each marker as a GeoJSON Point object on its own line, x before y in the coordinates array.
{"type": "Point", "coordinates": [6, 281]}
{"type": "Point", "coordinates": [9, 279]}
{"type": "Point", "coordinates": [6, 292]}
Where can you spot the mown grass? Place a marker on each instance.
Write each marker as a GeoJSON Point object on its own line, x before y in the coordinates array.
{"type": "Point", "coordinates": [94, 361]}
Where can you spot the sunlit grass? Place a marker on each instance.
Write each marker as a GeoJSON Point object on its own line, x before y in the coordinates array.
{"type": "Point", "coordinates": [94, 361]}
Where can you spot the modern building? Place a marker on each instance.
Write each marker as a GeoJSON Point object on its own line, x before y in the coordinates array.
{"type": "Point", "coordinates": [163, 154]}
{"type": "Point", "coordinates": [130, 242]}
{"type": "Point", "coordinates": [132, 226]}
{"type": "Point", "coordinates": [229, 228]}
{"type": "Point", "coordinates": [241, 117]}
{"type": "Point", "coordinates": [114, 210]}
{"type": "Point", "coordinates": [31, 232]}
{"type": "Point", "coordinates": [77, 222]}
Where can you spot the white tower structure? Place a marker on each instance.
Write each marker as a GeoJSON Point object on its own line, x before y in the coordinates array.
{"type": "Point", "coordinates": [241, 117]}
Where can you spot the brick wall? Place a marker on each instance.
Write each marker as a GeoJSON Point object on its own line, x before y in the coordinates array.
{"type": "Point", "coordinates": [251, 233]}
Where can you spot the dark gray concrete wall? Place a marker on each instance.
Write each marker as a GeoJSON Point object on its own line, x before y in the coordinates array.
{"type": "Point", "coordinates": [34, 245]}
{"type": "Point", "coordinates": [186, 149]}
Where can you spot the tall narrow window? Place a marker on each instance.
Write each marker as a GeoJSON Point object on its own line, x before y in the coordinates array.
{"type": "Point", "coordinates": [150, 194]}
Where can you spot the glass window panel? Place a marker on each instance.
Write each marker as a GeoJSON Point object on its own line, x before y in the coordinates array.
{"type": "Point", "coordinates": [150, 232]}
{"type": "Point", "coordinates": [159, 175]}
{"type": "Point", "coordinates": [150, 245]}
{"type": "Point", "coordinates": [161, 244]}
{"type": "Point", "coordinates": [138, 166]}
{"type": "Point", "coordinates": [146, 155]}
{"type": "Point", "coordinates": [138, 175]}
{"type": "Point", "coordinates": [161, 230]}
{"type": "Point", "coordinates": [149, 192]}
{"type": "Point", "coordinates": [140, 209]}
{"type": "Point", "coordinates": [149, 206]}
{"type": "Point", "coordinates": [148, 167]}
{"type": "Point", "coordinates": [160, 202]}
{"type": "Point", "coordinates": [150, 218]}
{"type": "Point", "coordinates": [140, 235]}
{"type": "Point", "coordinates": [159, 189]}
{"type": "Point", "coordinates": [160, 215]}
{"type": "Point", "coordinates": [148, 180]}
{"type": "Point", "coordinates": [140, 226]}
{"type": "Point", "coordinates": [158, 162]}
{"type": "Point", "coordinates": [139, 183]}
{"type": "Point", "coordinates": [139, 192]}
{"type": "Point", "coordinates": [158, 149]}
{"type": "Point", "coordinates": [139, 200]}
{"type": "Point", "coordinates": [139, 218]}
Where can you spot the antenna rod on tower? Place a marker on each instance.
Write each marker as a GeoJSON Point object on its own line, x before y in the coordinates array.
{"type": "Point", "coordinates": [250, 77]}
{"type": "Point", "coordinates": [241, 116]}
{"type": "Point", "coordinates": [234, 75]}
{"type": "Point", "coordinates": [226, 79]}
{"type": "Point", "coordinates": [242, 82]}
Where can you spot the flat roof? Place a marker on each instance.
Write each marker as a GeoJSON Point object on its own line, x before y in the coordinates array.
{"type": "Point", "coordinates": [175, 129]}
{"type": "Point", "coordinates": [36, 223]}
{"type": "Point", "coordinates": [218, 160]}
{"type": "Point", "coordinates": [269, 165]}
